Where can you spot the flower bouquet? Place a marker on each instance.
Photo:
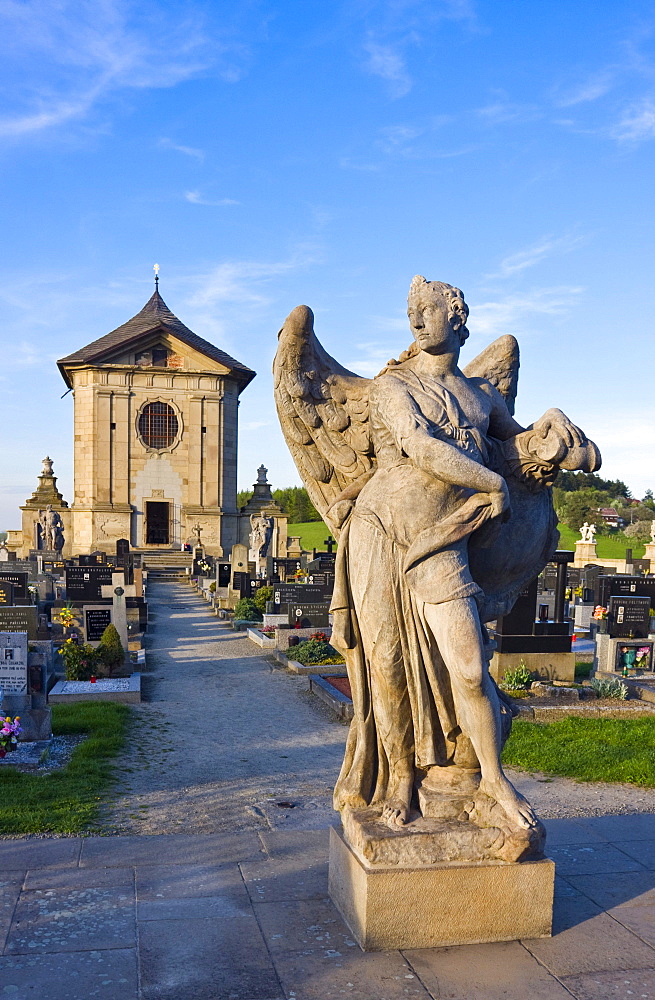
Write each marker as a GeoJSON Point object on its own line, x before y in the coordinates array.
{"type": "Point", "coordinates": [11, 728]}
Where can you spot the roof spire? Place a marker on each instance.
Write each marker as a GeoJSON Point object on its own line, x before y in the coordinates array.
{"type": "Point", "coordinates": [155, 268]}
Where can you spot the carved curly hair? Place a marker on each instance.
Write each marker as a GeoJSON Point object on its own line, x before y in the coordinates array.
{"type": "Point", "coordinates": [454, 298]}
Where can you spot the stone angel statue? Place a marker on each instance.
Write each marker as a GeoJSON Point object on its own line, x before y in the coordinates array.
{"type": "Point", "coordinates": [441, 503]}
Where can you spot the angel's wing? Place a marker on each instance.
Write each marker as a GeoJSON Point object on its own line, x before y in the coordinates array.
{"type": "Point", "coordinates": [499, 363]}
{"type": "Point", "coordinates": [324, 410]}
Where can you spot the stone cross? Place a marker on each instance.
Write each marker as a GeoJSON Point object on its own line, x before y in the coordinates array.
{"type": "Point", "coordinates": [330, 542]}
{"type": "Point", "coordinates": [118, 590]}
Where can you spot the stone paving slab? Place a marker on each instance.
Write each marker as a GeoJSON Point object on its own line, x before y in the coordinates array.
{"type": "Point", "coordinates": [642, 851]}
{"type": "Point", "coordinates": [39, 853]}
{"type": "Point", "coordinates": [81, 975]}
{"type": "Point", "coordinates": [504, 971]}
{"type": "Point", "coordinates": [275, 880]}
{"type": "Point", "coordinates": [587, 940]}
{"type": "Point", "coordinates": [160, 849]}
{"type": "Point", "coordinates": [55, 920]}
{"type": "Point", "coordinates": [205, 959]}
{"type": "Point", "coordinates": [593, 859]}
{"type": "Point", "coordinates": [630, 984]}
{"type": "Point", "coordinates": [166, 882]}
{"type": "Point", "coordinates": [617, 889]}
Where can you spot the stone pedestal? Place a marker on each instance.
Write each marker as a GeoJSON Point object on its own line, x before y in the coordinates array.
{"type": "Point", "coordinates": [547, 666]}
{"type": "Point", "coordinates": [585, 553]}
{"type": "Point", "coordinates": [393, 907]}
{"type": "Point", "coordinates": [649, 553]}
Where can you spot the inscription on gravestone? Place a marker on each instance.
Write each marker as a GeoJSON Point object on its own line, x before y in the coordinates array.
{"type": "Point", "coordinates": [96, 621]}
{"type": "Point", "coordinates": [13, 662]}
{"type": "Point", "coordinates": [19, 580]}
{"type": "Point", "coordinates": [628, 617]}
{"type": "Point", "coordinates": [22, 619]}
{"type": "Point", "coordinates": [309, 615]}
{"type": "Point", "coordinates": [301, 593]}
{"type": "Point", "coordinates": [83, 583]}
{"type": "Point", "coordinates": [6, 592]}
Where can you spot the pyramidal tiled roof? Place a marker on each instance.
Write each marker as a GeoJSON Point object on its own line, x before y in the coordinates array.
{"type": "Point", "coordinates": [155, 313]}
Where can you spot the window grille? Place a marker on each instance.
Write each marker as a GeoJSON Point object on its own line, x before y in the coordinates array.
{"type": "Point", "coordinates": [158, 425]}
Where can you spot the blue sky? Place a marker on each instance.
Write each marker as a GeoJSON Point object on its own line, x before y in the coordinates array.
{"type": "Point", "coordinates": [268, 153]}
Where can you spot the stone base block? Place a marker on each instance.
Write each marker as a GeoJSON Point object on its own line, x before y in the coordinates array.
{"type": "Point", "coordinates": [440, 905]}
{"type": "Point", "coordinates": [585, 553]}
{"type": "Point", "coordinates": [547, 666]}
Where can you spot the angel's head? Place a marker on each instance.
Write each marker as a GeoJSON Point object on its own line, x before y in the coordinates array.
{"type": "Point", "coordinates": [437, 312]}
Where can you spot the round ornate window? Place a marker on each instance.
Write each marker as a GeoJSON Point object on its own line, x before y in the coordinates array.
{"type": "Point", "coordinates": [158, 425]}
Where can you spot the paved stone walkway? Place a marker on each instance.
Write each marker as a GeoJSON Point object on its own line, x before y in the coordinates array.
{"type": "Point", "coordinates": [223, 734]}
{"type": "Point", "coordinates": [232, 903]}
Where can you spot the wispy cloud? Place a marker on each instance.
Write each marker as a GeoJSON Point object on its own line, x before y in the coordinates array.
{"type": "Point", "coordinates": [547, 247]}
{"type": "Point", "coordinates": [62, 59]}
{"type": "Point", "coordinates": [636, 124]}
{"type": "Point", "coordinates": [197, 199]}
{"type": "Point", "coordinates": [392, 27]}
{"type": "Point", "coordinates": [198, 154]}
{"type": "Point", "coordinates": [387, 62]}
{"type": "Point", "coordinates": [503, 110]}
{"type": "Point", "coordinates": [514, 312]}
{"type": "Point", "coordinates": [589, 90]}
{"type": "Point", "coordinates": [245, 281]}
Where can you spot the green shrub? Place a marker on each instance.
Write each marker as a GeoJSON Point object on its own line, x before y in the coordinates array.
{"type": "Point", "coordinates": [611, 688]}
{"type": "Point", "coordinates": [315, 651]}
{"type": "Point", "coordinates": [263, 595]}
{"type": "Point", "coordinates": [517, 678]}
{"type": "Point", "coordinates": [247, 610]}
{"type": "Point", "coordinates": [81, 662]}
{"type": "Point", "coordinates": [110, 652]}
{"type": "Point", "coordinates": [212, 587]}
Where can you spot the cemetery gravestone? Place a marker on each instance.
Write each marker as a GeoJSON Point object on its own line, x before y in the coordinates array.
{"type": "Point", "coordinates": [628, 617]}
{"type": "Point", "coordinates": [633, 586]}
{"type": "Point", "coordinates": [84, 583]}
{"type": "Point", "coordinates": [13, 663]}
{"type": "Point", "coordinates": [297, 593]}
{"type": "Point", "coordinates": [96, 620]}
{"type": "Point", "coordinates": [309, 615]}
{"type": "Point", "coordinates": [19, 581]}
{"type": "Point", "coordinates": [19, 619]}
{"type": "Point", "coordinates": [6, 592]}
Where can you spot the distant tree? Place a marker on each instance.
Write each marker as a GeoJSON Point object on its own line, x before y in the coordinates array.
{"type": "Point", "coordinates": [3, 536]}
{"type": "Point", "coordinates": [579, 506]}
{"type": "Point", "coordinates": [295, 502]}
{"type": "Point", "coordinates": [243, 496]}
{"type": "Point", "coordinates": [649, 500]}
{"type": "Point", "coordinates": [638, 530]}
{"type": "Point", "coordinates": [572, 481]}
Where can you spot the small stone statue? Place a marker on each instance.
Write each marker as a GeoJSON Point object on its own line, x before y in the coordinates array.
{"type": "Point", "coordinates": [260, 533]}
{"type": "Point", "coordinates": [587, 532]}
{"type": "Point", "coordinates": [652, 532]}
{"type": "Point", "coordinates": [441, 504]}
{"type": "Point", "coordinates": [51, 529]}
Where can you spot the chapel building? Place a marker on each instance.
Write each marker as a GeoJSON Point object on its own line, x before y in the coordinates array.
{"type": "Point", "coordinates": [155, 423]}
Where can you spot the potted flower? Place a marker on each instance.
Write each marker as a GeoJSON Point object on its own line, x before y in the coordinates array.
{"type": "Point", "coordinates": [600, 617]}
{"type": "Point", "coordinates": [9, 732]}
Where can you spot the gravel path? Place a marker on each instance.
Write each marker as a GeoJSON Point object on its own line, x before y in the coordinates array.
{"type": "Point", "coordinates": [223, 737]}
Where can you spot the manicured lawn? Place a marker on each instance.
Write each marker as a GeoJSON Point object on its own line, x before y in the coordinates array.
{"type": "Point", "coordinates": [607, 546]}
{"type": "Point", "coordinates": [312, 534]}
{"type": "Point", "coordinates": [66, 801]}
{"type": "Point", "coordinates": [586, 749]}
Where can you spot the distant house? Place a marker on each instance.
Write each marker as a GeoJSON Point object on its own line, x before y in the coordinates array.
{"type": "Point", "coordinates": [611, 517]}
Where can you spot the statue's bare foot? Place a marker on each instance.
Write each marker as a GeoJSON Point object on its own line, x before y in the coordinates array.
{"type": "Point", "coordinates": [396, 809]}
{"type": "Point", "coordinates": [517, 809]}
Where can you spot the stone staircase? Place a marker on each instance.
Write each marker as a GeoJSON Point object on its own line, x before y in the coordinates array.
{"type": "Point", "coordinates": [166, 565]}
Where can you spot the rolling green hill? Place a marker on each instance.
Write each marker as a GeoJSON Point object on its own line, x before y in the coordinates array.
{"type": "Point", "coordinates": [313, 535]}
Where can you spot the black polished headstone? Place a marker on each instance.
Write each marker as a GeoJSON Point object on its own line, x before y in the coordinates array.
{"type": "Point", "coordinates": [19, 580]}
{"type": "Point", "coordinates": [96, 621]}
{"type": "Point", "coordinates": [6, 592]}
{"type": "Point", "coordinates": [19, 619]}
{"type": "Point", "coordinates": [628, 617]}
{"type": "Point", "coordinates": [297, 593]}
{"type": "Point", "coordinates": [308, 615]}
{"type": "Point", "coordinates": [632, 586]}
{"type": "Point", "coordinates": [84, 583]}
